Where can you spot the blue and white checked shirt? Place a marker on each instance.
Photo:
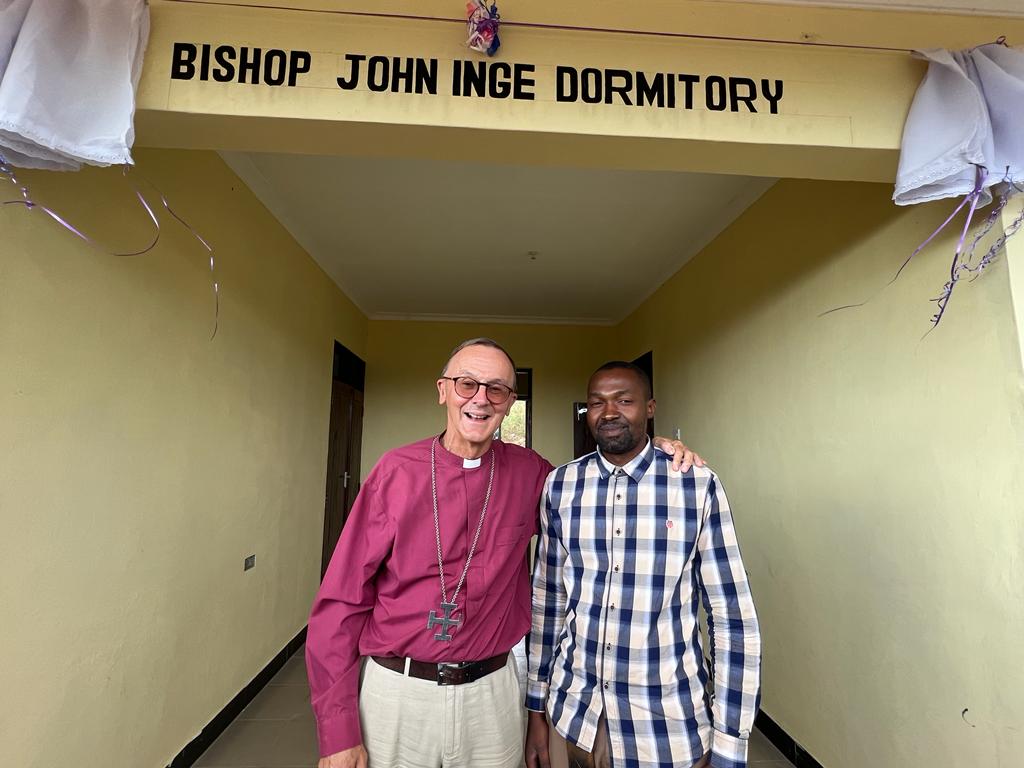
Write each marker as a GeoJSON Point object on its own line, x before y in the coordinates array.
{"type": "Point", "coordinates": [623, 557]}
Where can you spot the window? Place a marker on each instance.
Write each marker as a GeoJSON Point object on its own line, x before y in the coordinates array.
{"type": "Point", "coordinates": [517, 427]}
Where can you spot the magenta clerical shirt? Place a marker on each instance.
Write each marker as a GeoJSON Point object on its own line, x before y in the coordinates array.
{"type": "Point", "coordinates": [382, 581]}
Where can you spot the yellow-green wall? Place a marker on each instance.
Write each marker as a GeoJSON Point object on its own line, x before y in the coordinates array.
{"type": "Point", "coordinates": [876, 475]}
{"type": "Point", "coordinates": [140, 462]}
{"type": "Point", "coordinates": [405, 359]}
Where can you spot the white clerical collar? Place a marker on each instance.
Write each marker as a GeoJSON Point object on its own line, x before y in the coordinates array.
{"type": "Point", "coordinates": [472, 463]}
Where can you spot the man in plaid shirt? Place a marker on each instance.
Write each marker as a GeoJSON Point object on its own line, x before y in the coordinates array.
{"type": "Point", "coordinates": [627, 548]}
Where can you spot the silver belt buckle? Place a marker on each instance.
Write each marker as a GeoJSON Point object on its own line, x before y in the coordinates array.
{"type": "Point", "coordinates": [452, 674]}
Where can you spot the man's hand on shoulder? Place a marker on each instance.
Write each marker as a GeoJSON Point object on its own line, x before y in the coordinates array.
{"type": "Point", "coordinates": [682, 457]}
{"type": "Point", "coordinates": [347, 758]}
{"type": "Point", "coordinates": [536, 751]}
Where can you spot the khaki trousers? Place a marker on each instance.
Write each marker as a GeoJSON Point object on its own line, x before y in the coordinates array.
{"type": "Point", "coordinates": [412, 723]}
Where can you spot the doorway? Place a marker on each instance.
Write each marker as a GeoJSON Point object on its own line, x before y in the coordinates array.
{"type": "Point", "coordinates": [344, 446]}
{"type": "Point", "coordinates": [646, 364]}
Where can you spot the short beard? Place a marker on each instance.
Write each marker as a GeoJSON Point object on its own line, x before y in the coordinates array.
{"type": "Point", "coordinates": [619, 445]}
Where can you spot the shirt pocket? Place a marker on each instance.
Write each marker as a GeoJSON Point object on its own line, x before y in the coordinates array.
{"type": "Point", "coordinates": [675, 541]}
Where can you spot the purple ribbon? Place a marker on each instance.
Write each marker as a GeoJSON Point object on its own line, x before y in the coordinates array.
{"type": "Point", "coordinates": [962, 260]}
{"type": "Point", "coordinates": [7, 171]}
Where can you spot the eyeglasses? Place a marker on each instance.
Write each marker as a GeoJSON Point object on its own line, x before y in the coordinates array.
{"type": "Point", "coordinates": [467, 387]}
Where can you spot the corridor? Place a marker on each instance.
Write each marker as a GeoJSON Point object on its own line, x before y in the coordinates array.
{"type": "Point", "coordinates": [277, 731]}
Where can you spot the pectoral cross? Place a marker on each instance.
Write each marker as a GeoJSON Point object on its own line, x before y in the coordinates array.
{"type": "Point", "coordinates": [443, 621]}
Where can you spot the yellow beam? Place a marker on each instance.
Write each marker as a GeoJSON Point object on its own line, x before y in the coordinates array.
{"type": "Point", "coordinates": [263, 134]}
{"type": "Point", "coordinates": [660, 102]}
{"type": "Point", "coordinates": [907, 29]}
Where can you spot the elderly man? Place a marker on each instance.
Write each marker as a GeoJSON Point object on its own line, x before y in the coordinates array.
{"type": "Point", "coordinates": [628, 546]}
{"type": "Point", "coordinates": [429, 581]}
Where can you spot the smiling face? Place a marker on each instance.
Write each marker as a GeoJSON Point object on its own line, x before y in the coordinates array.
{"type": "Point", "coordinates": [472, 421]}
{"type": "Point", "coordinates": [618, 408]}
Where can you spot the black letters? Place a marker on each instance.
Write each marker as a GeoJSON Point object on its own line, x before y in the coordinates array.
{"type": "Point", "coordinates": [484, 79]}
{"type": "Point", "coordinates": [182, 66]}
{"type": "Point", "coordinates": [352, 82]}
{"type": "Point", "coordinates": [456, 77]}
{"type": "Point", "coordinates": [274, 57]}
{"type": "Point", "coordinates": [714, 92]}
{"type": "Point", "coordinates": [622, 90]}
{"type": "Point", "coordinates": [498, 80]}
{"type": "Point", "coordinates": [590, 85]}
{"type": "Point", "coordinates": [650, 92]}
{"type": "Point", "coordinates": [378, 71]}
{"type": "Point", "coordinates": [226, 63]}
{"type": "Point", "coordinates": [247, 66]}
{"type": "Point", "coordinates": [426, 76]}
{"type": "Point", "coordinates": [564, 76]}
{"type": "Point", "coordinates": [224, 72]}
{"type": "Point", "coordinates": [689, 81]}
{"type": "Point", "coordinates": [204, 62]}
{"type": "Point", "coordinates": [734, 93]}
{"type": "Point", "coordinates": [474, 79]}
{"type": "Point", "coordinates": [298, 64]}
{"type": "Point", "coordinates": [522, 82]}
{"type": "Point", "coordinates": [401, 75]}
{"type": "Point", "coordinates": [773, 98]}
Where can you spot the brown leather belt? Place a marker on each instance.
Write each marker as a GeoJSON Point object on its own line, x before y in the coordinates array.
{"type": "Point", "coordinates": [444, 674]}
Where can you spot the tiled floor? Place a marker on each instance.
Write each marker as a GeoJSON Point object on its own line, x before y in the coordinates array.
{"type": "Point", "coordinates": [276, 730]}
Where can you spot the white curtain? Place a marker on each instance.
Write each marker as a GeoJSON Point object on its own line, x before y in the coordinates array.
{"type": "Point", "coordinates": [968, 112]}
{"type": "Point", "coordinates": [68, 73]}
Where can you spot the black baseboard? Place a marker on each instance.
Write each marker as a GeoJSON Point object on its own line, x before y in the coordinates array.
{"type": "Point", "coordinates": [188, 756]}
{"type": "Point", "coordinates": [783, 742]}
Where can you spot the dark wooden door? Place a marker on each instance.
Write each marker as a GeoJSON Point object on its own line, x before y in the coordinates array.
{"type": "Point", "coordinates": [582, 440]}
{"type": "Point", "coordinates": [355, 445]}
{"type": "Point", "coordinates": [646, 363]}
{"type": "Point", "coordinates": [343, 452]}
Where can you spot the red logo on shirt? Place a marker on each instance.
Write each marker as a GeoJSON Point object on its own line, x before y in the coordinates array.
{"type": "Point", "coordinates": [668, 524]}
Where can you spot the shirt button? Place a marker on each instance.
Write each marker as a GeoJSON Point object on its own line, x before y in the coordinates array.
{"type": "Point", "coordinates": [618, 496]}
{"type": "Point", "coordinates": [608, 647]}
{"type": "Point", "coordinates": [613, 606]}
{"type": "Point", "coordinates": [606, 686]}
{"type": "Point", "coordinates": [616, 569]}
{"type": "Point", "coordinates": [618, 531]}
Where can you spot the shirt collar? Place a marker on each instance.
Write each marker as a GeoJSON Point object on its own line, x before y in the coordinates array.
{"type": "Point", "coordinates": [635, 467]}
{"type": "Point", "coordinates": [446, 458]}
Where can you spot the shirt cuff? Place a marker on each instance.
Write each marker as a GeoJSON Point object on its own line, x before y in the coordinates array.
{"type": "Point", "coordinates": [536, 696]}
{"type": "Point", "coordinates": [728, 751]}
{"type": "Point", "coordinates": [339, 732]}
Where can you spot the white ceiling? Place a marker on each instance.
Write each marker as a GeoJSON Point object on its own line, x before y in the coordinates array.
{"type": "Point", "coordinates": [429, 239]}
{"type": "Point", "coordinates": [432, 239]}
